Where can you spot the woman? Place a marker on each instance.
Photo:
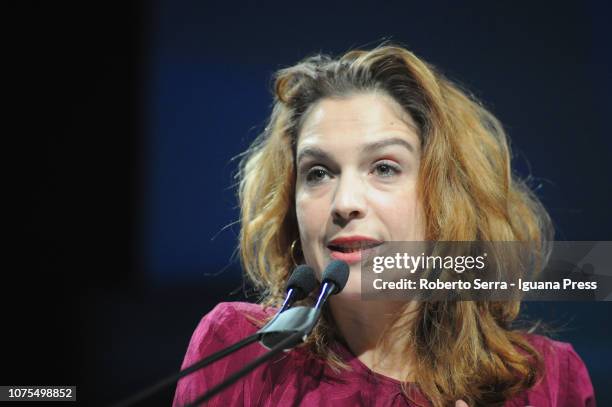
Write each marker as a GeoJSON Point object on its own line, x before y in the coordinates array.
{"type": "Point", "coordinates": [372, 147]}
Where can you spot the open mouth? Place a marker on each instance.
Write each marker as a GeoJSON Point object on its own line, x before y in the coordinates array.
{"type": "Point", "coordinates": [353, 251]}
{"type": "Point", "coordinates": [353, 247]}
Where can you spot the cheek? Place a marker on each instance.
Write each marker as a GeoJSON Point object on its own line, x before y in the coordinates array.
{"type": "Point", "coordinates": [310, 217]}
{"type": "Point", "coordinates": [301, 213]}
{"type": "Point", "coordinates": [311, 220]}
{"type": "Point", "coordinates": [402, 215]}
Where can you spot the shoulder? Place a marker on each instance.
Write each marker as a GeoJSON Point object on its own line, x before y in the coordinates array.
{"type": "Point", "coordinates": [233, 320]}
{"type": "Point", "coordinates": [236, 311]}
{"type": "Point", "coordinates": [548, 345]}
{"type": "Point", "coordinates": [224, 325]}
{"type": "Point", "coordinates": [554, 353]}
{"type": "Point", "coordinates": [565, 380]}
{"type": "Point", "coordinates": [559, 357]}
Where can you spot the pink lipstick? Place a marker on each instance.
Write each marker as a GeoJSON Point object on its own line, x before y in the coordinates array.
{"type": "Point", "coordinates": [352, 249]}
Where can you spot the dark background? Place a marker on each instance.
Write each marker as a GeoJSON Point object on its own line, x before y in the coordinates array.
{"type": "Point", "coordinates": [123, 122]}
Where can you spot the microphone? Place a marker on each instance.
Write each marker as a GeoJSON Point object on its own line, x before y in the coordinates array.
{"type": "Point", "coordinates": [303, 319]}
{"type": "Point", "coordinates": [334, 279]}
{"type": "Point", "coordinates": [301, 283]}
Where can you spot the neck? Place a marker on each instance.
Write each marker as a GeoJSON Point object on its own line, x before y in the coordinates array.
{"type": "Point", "coordinates": [363, 325]}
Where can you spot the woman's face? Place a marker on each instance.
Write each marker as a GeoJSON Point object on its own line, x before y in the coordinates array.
{"type": "Point", "coordinates": [357, 168]}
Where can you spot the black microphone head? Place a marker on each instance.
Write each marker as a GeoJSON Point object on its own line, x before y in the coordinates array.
{"type": "Point", "coordinates": [303, 281]}
{"type": "Point", "coordinates": [336, 272]}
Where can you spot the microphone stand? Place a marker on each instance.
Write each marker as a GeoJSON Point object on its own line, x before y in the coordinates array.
{"type": "Point", "coordinates": [284, 332]}
{"type": "Point", "coordinates": [287, 343]}
{"type": "Point", "coordinates": [285, 325]}
{"type": "Point", "coordinates": [188, 370]}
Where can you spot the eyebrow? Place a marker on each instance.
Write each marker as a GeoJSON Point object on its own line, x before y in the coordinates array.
{"type": "Point", "coordinates": [387, 142]}
{"type": "Point", "coordinates": [319, 154]}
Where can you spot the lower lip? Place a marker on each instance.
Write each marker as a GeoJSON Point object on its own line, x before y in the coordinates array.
{"type": "Point", "coordinates": [351, 257]}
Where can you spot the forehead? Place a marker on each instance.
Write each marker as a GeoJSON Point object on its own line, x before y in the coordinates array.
{"type": "Point", "coordinates": [362, 117]}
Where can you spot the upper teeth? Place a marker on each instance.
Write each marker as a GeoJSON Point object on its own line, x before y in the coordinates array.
{"type": "Point", "coordinates": [356, 245]}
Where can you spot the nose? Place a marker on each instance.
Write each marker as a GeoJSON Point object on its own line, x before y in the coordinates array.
{"type": "Point", "coordinates": [349, 201]}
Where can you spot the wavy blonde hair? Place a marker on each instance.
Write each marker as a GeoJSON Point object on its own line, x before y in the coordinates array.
{"type": "Point", "coordinates": [463, 349]}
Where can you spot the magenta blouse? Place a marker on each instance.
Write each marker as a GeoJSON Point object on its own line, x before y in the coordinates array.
{"type": "Point", "coordinates": [295, 379]}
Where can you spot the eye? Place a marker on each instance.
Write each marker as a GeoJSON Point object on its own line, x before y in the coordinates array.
{"type": "Point", "coordinates": [386, 169]}
{"type": "Point", "coordinates": [316, 175]}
